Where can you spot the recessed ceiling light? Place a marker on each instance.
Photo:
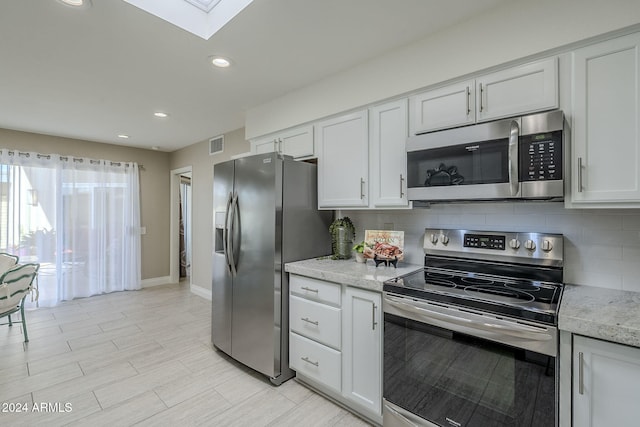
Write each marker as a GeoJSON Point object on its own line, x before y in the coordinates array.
{"type": "Point", "coordinates": [220, 61]}
{"type": "Point", "coordinates": [123, 136]}
{"type": "Point", "coordinates": [160, 114]}
{"type": "Point", "coordinates": [76, 3]}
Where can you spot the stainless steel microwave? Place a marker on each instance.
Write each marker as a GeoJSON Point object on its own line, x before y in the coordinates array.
{"type": "Point", "coordinates": [516, 158]}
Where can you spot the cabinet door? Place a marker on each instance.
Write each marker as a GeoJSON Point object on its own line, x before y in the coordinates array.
{"type": "Point", "coordinates": [343, 161]}
{"type": "Point", "coordinates": [388, 166]}
{"type": "Point", "coordinates": [264, 145]}
{"type": "Point", "coordinates": [441, 108]}
{"type": "Point", "coordinates": [518, 90]}
{"type": "Point", "coordinates": [606, 116]}
{"type": "Point", "coordinates": [297, 142]}
{"type": "Point", "coordinates": [362, 349]}
{"type": "Point", "coordinates": [606, 383]}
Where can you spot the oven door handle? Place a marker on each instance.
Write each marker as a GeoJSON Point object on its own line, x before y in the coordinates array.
{"type": "Point", "coordinates": [514, 330]}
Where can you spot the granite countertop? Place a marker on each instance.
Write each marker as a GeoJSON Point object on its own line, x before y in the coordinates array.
{"type": "Point", "coordinates": [602, 313]}
{"type": "Point", "coordinates": [349, 272]}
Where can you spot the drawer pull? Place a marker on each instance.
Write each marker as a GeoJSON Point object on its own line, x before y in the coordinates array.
{"type": "Point", "coordinates": [304, 288]}
{"type": "Point", "coordinates": [306, 359]}
{"type": "Point", "coordinates": [306, 319]}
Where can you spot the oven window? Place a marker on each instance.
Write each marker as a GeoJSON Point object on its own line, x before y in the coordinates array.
{"type": "Point", "coordinates": [450, 378]}
{"type": "Point", "coordinates": [485, 162]}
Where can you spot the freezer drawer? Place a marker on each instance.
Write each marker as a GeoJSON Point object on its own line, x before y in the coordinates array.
{"type": "Point", "coordinates": [319, 322]}
{"type": "Point", "coordinates": [315, 361]}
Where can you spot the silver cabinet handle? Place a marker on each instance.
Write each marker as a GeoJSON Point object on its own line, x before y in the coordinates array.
{"type": "Point", "coordinates": [513, 157]}
{"type": "Point", "coordinates": [362, 188]}
{"type": "Point", "coordinates": [481, 92]}
{"type": "Point", "coordinates": [304, 288]}
{"type": "Point", "coordinates": [306, 359]}
{"type": "Point", "coordinates": [580, 373]}
{"type": "Point", "coordinates": [468, 101]}
{"type": "Point", "coordinates": [280, 145]}
{"type": "Point", "coordinates": [579, 174]}
{"type": "Point", "coordinates": [306, 319]}
{"type": "Point", "coordinates": [373, 317]}
{"type": "Point", "coordinates": [401, 186]}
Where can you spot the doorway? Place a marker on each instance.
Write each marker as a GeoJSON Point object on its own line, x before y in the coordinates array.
{"type": "Point", "coordinates": [180, 238]}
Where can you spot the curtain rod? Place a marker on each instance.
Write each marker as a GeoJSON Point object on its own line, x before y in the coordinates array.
{"type": "Point", "coordinates": [67, 158]}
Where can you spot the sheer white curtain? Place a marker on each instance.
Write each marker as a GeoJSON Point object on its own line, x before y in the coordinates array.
{"type": "Point", "coordinates": [78, 217]}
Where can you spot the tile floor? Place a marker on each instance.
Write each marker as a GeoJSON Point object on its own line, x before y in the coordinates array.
{"type": "Point", "coordinates": [141, 358]}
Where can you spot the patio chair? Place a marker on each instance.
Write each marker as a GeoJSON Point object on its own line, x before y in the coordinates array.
{"type": "Point", "coordinates": [7, 261]}
{"type": "Point", "coordinates": [15, 285]}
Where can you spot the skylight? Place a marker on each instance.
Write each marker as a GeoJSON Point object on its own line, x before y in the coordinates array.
{"type": "Point", "coordinates": [200, 17]}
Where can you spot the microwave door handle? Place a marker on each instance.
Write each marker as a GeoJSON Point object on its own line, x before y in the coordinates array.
{"type": "Point", "coordinates": [514, 134]}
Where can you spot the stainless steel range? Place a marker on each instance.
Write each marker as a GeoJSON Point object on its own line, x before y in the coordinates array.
{"type": "Point", "coordinates": [472, 339]}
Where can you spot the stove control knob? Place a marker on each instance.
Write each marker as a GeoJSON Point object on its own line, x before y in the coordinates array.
{"type": "Point", "coordinates": [444, 239]}
{"type": "Point", "coordinates": [434, 238]}
{"type": "Point", "coordinates": [514, 244]}
{"type": "Point", "coordinates": [547, 246]}
{"type": "Point", "coordinates": [530, 245]}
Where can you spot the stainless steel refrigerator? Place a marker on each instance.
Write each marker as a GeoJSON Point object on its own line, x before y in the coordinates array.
{"type": "Point", "coordinates": [265, 214]}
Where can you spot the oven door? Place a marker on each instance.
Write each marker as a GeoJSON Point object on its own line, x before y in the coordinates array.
{"type": "Point", "coordinates": [445, 366]}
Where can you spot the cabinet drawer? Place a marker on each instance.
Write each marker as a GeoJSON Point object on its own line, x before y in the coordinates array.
{"type": "Point", "coordinates": [317, 290]}
{"type": "Point", "coordinates": [317, 321]}
{"type": "Point", "coordinates": [315, 361]}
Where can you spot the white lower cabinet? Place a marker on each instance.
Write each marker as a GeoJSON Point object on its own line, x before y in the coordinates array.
{"type": "Point", "coordinates": [606, 383]}
{"type": "Point", "coordinates": [315, 361]}
{"type": "Point", "coordinates": [335, 346]}
{"type": "Point", "coordinates": [362, 349]}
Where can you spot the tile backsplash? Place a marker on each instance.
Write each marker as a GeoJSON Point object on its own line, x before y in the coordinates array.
{"type": "Point", "coordinates": [602, 247]}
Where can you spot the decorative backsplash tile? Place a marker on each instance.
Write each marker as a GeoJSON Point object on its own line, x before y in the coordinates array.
{"type": "Point", "coordinates": [602, 247]}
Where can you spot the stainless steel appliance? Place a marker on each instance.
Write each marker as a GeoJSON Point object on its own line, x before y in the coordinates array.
{"type": "Point", "coordinates": [265, 209]}
{"type": "Point", "coordinates": [472, 339]}
{"type": "Point", "coordinates": [517, 158]}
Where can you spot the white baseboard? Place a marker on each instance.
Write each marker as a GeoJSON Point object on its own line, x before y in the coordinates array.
{"type": "Point", "coordinates": [155, 281]}
{"type": "Point", "coordinates": [201, 292]}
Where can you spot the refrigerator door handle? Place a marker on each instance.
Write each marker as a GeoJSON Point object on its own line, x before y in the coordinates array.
{"type": "Point", "coordinates": [230, 243]}
{"type": "Point", "coordinates": [225, 233]}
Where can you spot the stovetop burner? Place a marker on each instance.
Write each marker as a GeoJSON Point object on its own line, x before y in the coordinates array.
{"type": "Point", "coordinates": [479, 270]}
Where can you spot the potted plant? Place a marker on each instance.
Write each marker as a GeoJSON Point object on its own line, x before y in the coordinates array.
{"type": "Point", "coordinates": [360, 248]}
{"type": "Point", "coordinates": [342, 233]}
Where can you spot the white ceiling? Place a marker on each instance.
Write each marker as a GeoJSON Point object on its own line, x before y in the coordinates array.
{"type": "Point", "coordinates": [94, 73]}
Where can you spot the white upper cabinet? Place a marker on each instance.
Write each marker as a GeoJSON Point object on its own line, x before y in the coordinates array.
{"type": "Point", "coordinates": [517, 90]}
{"type": "Point", "coordinates": [446, 107]}
{"type": "Point", "coordinates": [296, 142]}
{"type": "Point", "coordinates": [388, 158]}
{"type": "Point", "coordinates": [606, 124]}
{"type": "Point", "coordinates": [343, 161]}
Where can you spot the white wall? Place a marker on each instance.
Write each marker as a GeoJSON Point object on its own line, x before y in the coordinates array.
{"type": "Point", "coordinates": [602, 247]}
{"type": "Point", "coordinates": [510, 32]}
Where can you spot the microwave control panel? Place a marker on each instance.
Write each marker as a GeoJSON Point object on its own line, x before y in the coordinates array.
{"type": "Point", "coordinates": [541, 156]}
